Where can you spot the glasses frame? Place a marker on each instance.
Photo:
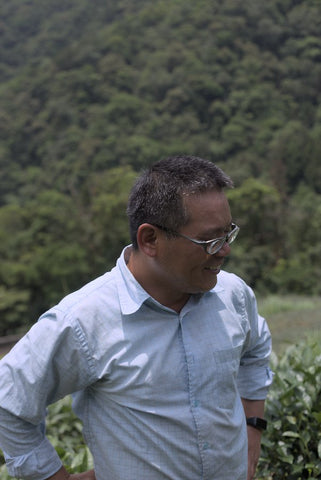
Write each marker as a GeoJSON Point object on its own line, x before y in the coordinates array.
{"type": "Point", "coordinates": [210, 246]}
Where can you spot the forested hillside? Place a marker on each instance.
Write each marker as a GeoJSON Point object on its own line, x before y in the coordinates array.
{"type": "Point", "coordinates": [92, 91]}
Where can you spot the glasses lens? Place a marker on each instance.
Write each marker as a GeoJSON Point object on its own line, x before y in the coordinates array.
{"type": "Point", "coordinates": [233, 234]}
{"type": "Point", "coordinates": [215, 246]}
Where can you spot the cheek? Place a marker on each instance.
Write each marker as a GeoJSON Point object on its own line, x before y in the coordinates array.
{"type": "Point", "coordinates": [193, 265]}
{"type": "Point", "coordinates": [184, 262]}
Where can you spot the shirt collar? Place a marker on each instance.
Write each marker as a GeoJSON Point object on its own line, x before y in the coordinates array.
{"type": "Point", "coordinates": [131, 293]}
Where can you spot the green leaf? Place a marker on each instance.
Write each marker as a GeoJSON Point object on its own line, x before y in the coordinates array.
{"type": "Point", "coordinates": [319, 449]}
{"type": "Point", "coordinates": [290, 434]}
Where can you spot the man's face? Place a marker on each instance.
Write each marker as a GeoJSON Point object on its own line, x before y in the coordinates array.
{"type": "Point", "coordinates": [184, 266]}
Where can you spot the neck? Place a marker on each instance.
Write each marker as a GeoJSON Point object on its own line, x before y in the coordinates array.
{"type": "Point", "coordinates": [146, 274]}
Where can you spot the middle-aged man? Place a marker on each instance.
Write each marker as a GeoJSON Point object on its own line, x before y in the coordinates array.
{"type": "Point", "coordinates": [166, 354]}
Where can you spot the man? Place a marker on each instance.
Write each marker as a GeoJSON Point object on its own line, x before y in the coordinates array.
{"type": "Point", "coordinates": [166, 355]}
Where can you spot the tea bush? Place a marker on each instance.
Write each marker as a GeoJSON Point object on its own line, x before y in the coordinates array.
{"type": "Point", "coordinates": [291, 447]}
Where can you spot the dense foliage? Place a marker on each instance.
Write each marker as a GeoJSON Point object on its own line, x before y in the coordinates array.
{"type": "Point", "coordinates": [291, 447]}
{"type": "Point", "coordinates": [91, 92]}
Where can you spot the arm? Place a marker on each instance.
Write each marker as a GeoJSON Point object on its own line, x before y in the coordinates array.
{"type": "Point", "coordinates": [62, 474]}
{"type": "Point", "coordinates": [34, 374]}
{"type": "Point", "coordinates": [255, 376]}
{"type": "Point", "coordinates": [253, 408]}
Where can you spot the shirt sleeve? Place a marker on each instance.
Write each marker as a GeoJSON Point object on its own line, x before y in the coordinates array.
{"type": "Point", "coordinates": [255, 375]}
{"type": "Point", "coordinates": [51, 361]}
{"type": "Point", "coordinates": [36, 458]}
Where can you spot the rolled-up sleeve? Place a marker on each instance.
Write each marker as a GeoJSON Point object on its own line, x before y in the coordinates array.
{"type": "Point", "coordinates": [37, 459]}
{"type": "Point", "coordinates": [255, 375]}
{"type": "Point", "coordinates": [51, 361]}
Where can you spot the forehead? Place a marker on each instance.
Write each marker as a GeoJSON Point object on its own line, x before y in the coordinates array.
{"type": "Point", "coordinates": [209, 211]}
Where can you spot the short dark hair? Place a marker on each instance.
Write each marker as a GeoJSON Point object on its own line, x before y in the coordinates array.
{"type": "Point", "coordinates": [157, 195]}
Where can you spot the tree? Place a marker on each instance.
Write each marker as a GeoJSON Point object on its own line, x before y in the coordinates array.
{"type": "Point", "coordinates": [256, 209]}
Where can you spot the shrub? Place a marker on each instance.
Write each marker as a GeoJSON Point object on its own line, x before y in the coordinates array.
{"type": "Point", "coordinates": [291, 448]}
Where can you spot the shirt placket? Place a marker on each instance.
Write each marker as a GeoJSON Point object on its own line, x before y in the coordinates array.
{"type": "Point", "coordinates": [191, 350]}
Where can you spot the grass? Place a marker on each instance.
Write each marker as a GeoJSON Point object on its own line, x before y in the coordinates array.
{"type": "Point", "coordinates": [291, 318]}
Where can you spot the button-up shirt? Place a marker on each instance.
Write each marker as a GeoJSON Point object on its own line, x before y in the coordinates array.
{"type": "Point", "coordinates": [158, 391]}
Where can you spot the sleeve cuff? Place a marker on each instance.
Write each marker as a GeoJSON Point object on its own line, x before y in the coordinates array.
{"type": "Point", "coordinates": [254, 383]}
{"type": "Point", "coordinates": [39, 464]}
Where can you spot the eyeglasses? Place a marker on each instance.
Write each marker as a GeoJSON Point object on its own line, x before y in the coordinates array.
{"type": "Point", "coordinates": [210, 246]}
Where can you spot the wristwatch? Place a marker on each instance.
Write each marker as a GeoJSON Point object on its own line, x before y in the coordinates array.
{"type": "Point", "coordinates": [256, 422]}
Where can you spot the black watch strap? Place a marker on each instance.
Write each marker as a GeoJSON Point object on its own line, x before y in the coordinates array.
{"type": "Point", "coordinates": [257, 422]}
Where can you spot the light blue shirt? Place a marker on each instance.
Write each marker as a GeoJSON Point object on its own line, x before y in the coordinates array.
{"type": "Point", "coordinates": [158, 392]}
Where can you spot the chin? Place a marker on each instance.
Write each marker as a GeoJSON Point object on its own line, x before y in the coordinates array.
{"type": "Point", "coordinates": [206, 288]}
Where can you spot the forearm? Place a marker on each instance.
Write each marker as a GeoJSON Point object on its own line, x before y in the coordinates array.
{"type": "Point", "coordinates": [62, 474]}
{"type": "Point", "coordinates": [253, 408]}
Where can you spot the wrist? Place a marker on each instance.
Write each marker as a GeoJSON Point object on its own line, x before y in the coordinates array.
{"type": "Point", "coordinates": [257, 422]}
{"type": "Point", "coordinates": [62, 474]}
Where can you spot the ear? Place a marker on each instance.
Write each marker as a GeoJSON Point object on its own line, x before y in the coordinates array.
{"type": "Point", "coordinates": [147, 239]}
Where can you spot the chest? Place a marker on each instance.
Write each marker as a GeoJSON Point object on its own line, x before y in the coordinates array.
{"type": "Point", "coordinates": [163, 357]}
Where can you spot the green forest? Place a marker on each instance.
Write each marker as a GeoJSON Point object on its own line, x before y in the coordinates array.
{"type": "Point", "coordinates": [93, 91]}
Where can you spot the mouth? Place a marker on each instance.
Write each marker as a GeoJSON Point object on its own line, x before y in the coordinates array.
{"type": "Point", "coordinates": [214, 269]}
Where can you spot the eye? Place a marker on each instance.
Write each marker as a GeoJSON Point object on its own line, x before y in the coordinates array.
{"type": "Point", "coordinates": [230, 228]}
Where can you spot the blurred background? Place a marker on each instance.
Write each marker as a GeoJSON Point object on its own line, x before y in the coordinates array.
{"type": "Point", "coordinates": [93, 91]}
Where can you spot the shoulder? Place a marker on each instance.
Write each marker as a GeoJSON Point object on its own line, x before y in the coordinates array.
{"type": "Point", "coordinates": [85, 316]}
{"type": "Point", "coordinates": [229, 281]}
{"type": "Point", "coordinates": [91, 305]}
{"type": "Point", "coordinates": [233, 288]}
{"type": "Point", "coordinates": [97, 291]}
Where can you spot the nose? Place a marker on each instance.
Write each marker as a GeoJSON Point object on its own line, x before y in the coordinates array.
{"type": "Point", "coordinates": [224, 251]}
